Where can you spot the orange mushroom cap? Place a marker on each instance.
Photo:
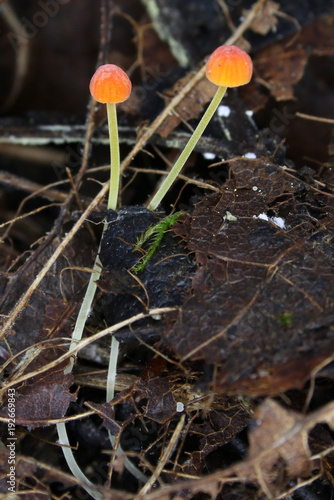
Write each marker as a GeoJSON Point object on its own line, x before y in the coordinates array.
{"type": "Point", "coordinates": [229, 66]}
{"type": "Point", "coordinates": [110, 84]}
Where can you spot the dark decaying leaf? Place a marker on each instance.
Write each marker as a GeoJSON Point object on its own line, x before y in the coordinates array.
{"type": "Point", "coordinates": [280, 445]}
{"type": "Point", "coordinates": [47, 315]}
{"type": "Point", "coordinates": [261, 309]}
{"type": "Point", "coordinates": [164, 281]}
{"type": "Point", "coordinates": [278, 455]}
{"type": "Point", "coordinates": [283, 67]}
{"type": "Point", "coordinates": [107, 413]}
{"type": "Point", "coordinates": [41, 400]}
{"type": "Point", "coordinates": [152, 401]}
{"type": "Point", "coordinates": [153, 388]}
{"type": "Point", "coordinates": [46, 396]}
{"type": "Point", "coordinates": [41, 331]}
{"type": "Point", "coordinates": [226, 418]}
{"type": "Point", "coordinates": [266, 19]}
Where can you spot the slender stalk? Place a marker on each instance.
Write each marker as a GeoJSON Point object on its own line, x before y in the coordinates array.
{"type": "Point", "coordinates": [84, 312]}
{"type": "Point", "coordinates": [76, 337]}
{"type": "Point", "coordinates": [112, 204]}
{"type": "Point", "coordinates": [111, 380]}
{"type": "Point", "coordinates": [114, 156]}
{"type": "Point", "coordinates": [85, 308]}
{"type": "Point", "coordinates": [72, 464]}
{"type": "Point", "coordinates": [188, 149]}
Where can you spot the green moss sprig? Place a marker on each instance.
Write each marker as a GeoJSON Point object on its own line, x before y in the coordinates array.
{"type": "Point", "coordinates": [154, 233]}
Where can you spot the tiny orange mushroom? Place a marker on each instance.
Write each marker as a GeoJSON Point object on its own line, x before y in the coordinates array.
{"type": "Point", "coordinates": [228, 66]}
{"type": "Point", "coordinates": [111, 85]}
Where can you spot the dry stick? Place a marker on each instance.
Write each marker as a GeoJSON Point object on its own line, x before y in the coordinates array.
{"type": "Point", "coordinates": [315, 118]}
{"type": "Point", "coordinates": [33, 188]}
{"type": "Point", "coordinates": [49, 421]}
{"type": "Point", "coordinates": [162, 462]}
{"type": "Point", "coordinates": [85, 156]}
{"type": "Point", "coordinates": [28, 214]}
{"type": "Point", "coordinates": [140, 144]}
{"type": "Point", "coordinates": [187, 88]}
{"type": "Point", "coordinates": [187, 179]}
{"type": "Point", "coordinates": [75, 185]}
{"type": "Point", "coordinates": [83, 343]}
{"type": "Point", "coordinates": [36, 154]}
{"type": "Point", "coordinates": [24, 299]}
{"type": "Point", "coordinates": [227, 15]}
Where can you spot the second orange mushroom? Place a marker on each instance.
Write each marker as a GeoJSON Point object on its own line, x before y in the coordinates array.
{"type": "Point", "coordinates": [228, 66]}
{"type": "Point", "coordinates": [111, 85]}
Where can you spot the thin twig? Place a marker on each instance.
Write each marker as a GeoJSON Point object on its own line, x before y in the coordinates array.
{"type": "Point", "coordinates": [187, 88]}
{"type": "Point", "coordinates": [315, 118]}
{"type": "Point", "coordinates": [34, 188]}
{"type": "Point", "coordinates": [227, 14]}
{"type": "Point", "coordinates": [162, 462]}
{"type": "Point", "coordinates": [22, 302]}
{"type": "Point", "coordinates": [83, 343]}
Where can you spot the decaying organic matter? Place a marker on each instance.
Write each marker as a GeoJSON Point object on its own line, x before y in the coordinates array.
{"type": "Point", "coordinates": [164, 282]}
{"type": "Point", "coordinates": [224, 383]}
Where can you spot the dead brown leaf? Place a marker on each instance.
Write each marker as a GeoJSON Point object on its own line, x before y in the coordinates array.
{"type": "Point", "coordinates": [41, 400]}
{"type": "Point", "coordinates": [37, 337]}
{"type": "Point", "coordinates": [225, 419]}
{"type": "Point", "coordinates": [280, 67]}
{"type": "Point", "coordinates": [289, 457]}
{"type": "Point", "coordinates": [270, 464]}
{"type": "Point", "coordinates": [262, 304]}
{"type": "Point", "coordinates": [266, 19]}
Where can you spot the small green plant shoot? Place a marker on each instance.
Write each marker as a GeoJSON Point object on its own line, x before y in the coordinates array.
{"type": "Point", "coordinates": [154, 233]}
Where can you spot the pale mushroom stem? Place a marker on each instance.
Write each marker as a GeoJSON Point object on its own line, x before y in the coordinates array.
{"type": "Point", "coordinates": [114, 156]}
{"type": "Point", "coordinates": [188, 149]}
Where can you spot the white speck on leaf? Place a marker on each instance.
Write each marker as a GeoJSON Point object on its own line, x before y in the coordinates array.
{"type": "Point", "coordinates": [278, 221]}
{"type": "Point", "coordinates": [209, 156]}
{"type": "Point", "coordinates": [262, 216]}
{"type": "Point", "coordinates": [224, 111]}
{"type": "Point", "coordinates": [179, 406]}
{"type": "Point", "coordinates": [250, 155]}
{"type": "Point", "coordinates": [230, 217]}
